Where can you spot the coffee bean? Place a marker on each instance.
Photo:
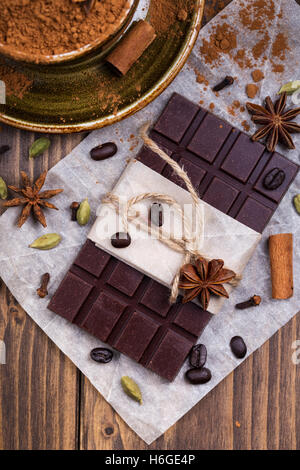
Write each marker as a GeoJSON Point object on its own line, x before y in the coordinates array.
{"type": "Point", "coordinates": [4, 149]}
{"type": "Point", "coordinates": [238, 347]}
{"type": "Point", "coordinates": [198, 376]}
{"type": "Point", "coordinates": [274, 179]}
{"type": "Point", "coordinates": [120, 240]}
{"type": "Point", "coordinates": [109, 431]}
{"type": "Point", "coordinates": [198, 356]}
{"type": "Point", "coordinates": [157, 214]}
{"type": "Point", "coordinates": [102, 355]}
{"type": "Point", "coordinates": [104, 151]}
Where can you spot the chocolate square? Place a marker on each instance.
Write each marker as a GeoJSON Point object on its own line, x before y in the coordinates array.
{"type": "Point", "coordinates": [209, 137]}
{"type": "Point", "coordinates": [290, 169]}
{"type": "Point", "coordinates": [220, 195]}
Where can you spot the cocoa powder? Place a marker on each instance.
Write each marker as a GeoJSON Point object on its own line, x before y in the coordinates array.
{"type": "Point", "coordinates": [164, 13]}
{"type": "Point", "coordinates": [257, 75]}
{"type": "Point", "coordinates": [256, 16]}
{"type": "Point", "coordinates": [43, 27]}
{"type": "Point", "coordinates": [251, 90]}
{"type": "Point", "coordinates": [16, 82]}
{"type": "Point", "coordinates": [221, 41]}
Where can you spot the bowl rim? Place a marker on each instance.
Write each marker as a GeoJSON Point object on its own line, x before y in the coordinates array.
{"type": "Point", "coordinates": [55, 59]}
{"type": "Point", "coordinates": [131, 109]}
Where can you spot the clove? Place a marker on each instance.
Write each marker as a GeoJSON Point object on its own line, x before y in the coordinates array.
{"type": "Point", "coordinates": [74, 208]}
{"type": "Point", "coordinates": [228, 80]}
{"type": "Point", "coordinates": [42, 291]}
{"type": "Point", "coordinates": [253, 302]}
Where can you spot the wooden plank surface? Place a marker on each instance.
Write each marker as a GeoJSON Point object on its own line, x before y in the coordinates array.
{"type": "Point", "coordinates": [45, 403]}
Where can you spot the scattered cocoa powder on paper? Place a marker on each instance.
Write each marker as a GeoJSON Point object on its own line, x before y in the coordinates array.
{"type": "Point", "coordinates": [221, 41]}
{"type": "Point", "coordinates": [257, 16]}
{"type": "Point", "coordinates": [242, 59]}
{"type": "Point", "coordinates": [279, 48]}
{"type": "Point", "coordinates": [257, 75]}
{"type": "Point", "coordinates": [260, 48]}
{"type": "Point", "coordinates": [200, 78]}
{"type": "Point", "coordinates": [251, 90]}
{"type": "Point", "coordinates": [246, 126]}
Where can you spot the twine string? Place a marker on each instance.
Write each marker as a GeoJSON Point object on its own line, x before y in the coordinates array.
{"type": "Point", "coordinates": [190, 243]}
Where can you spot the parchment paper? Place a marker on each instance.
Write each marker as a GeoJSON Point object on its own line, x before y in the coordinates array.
{"type": "Point", "coordinates": [21, 267]}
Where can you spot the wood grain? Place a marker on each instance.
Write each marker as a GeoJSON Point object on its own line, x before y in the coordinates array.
{"type": "Point", "coordinates": [45, 403]}
{"type": "Point", "coordinates": [39, 399]}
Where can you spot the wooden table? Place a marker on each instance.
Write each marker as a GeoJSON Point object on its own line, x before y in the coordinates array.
{"type": "Point", "coordinates": [46, 403]}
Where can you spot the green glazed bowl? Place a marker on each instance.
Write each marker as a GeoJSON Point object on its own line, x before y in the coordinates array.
{"type": "Point", "coordinates": [85, 94]}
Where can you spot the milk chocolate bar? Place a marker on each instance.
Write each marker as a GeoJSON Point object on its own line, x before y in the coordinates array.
{"type": "Point", "coordinates": [129, 311]}
{"type": "Point", "coordinates": [227, 169]}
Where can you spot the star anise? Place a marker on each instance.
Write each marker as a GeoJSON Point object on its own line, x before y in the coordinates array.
{"type": "Point", "coordinates": [203, 279]}
{"type": "Point", "coordinates": [276, 122]}
{"type": "Point", "coordinates": [32, 199]}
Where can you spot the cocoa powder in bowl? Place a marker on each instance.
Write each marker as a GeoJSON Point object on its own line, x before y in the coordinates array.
{"type": "Point", "coordinates": [43, 28]}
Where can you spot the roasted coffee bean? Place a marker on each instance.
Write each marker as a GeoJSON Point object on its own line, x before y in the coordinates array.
{"type": "Point", "coordinates": [102, 355]}
{"type": "Point", "coordinates": [238, 347]}
{"type": "Point", "coordinates": [198, 376]}
{"type": "Point", "coordinates": [274, 179]}
{"type": "Point", "coordinates": [104, 151]}
{"type": "Point", "coordinates": [157, 214]}
{"type": "Point", "coordinates": [121, 240]}
{"type": "Point", "coordinates": [198, 356]}
{"type": "Point", "coordinates": [4, 149]}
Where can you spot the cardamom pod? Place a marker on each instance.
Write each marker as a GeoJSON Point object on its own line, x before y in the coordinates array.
{"type": "Point", "coordinates": [46, 242]}
{"type": "Point", "coordinates": [84, 212]}
{"type": "Point", "coordinates": [290, 87]}
{"type": "Point", "coordinates": [131, 389]}
{"type": "Point", "coordinates": [297, 203]}
{"type": "Point", "coordinates": [3, 189]}
{"type": "Point", "coordinates": [38, 147]}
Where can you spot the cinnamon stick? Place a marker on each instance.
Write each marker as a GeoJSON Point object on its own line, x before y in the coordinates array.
{"type": "Point", "coordinates": [281, 259]}
{"type": "Point", "coordinates": [131, 47]}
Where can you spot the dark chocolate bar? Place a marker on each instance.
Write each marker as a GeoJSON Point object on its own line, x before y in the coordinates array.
{"type": "Point", "coordinates": [126, 309]}
{"type": "Point", "coordinates": [225, 166]}
{"type": "Point", "coordinates": [129, 311]}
